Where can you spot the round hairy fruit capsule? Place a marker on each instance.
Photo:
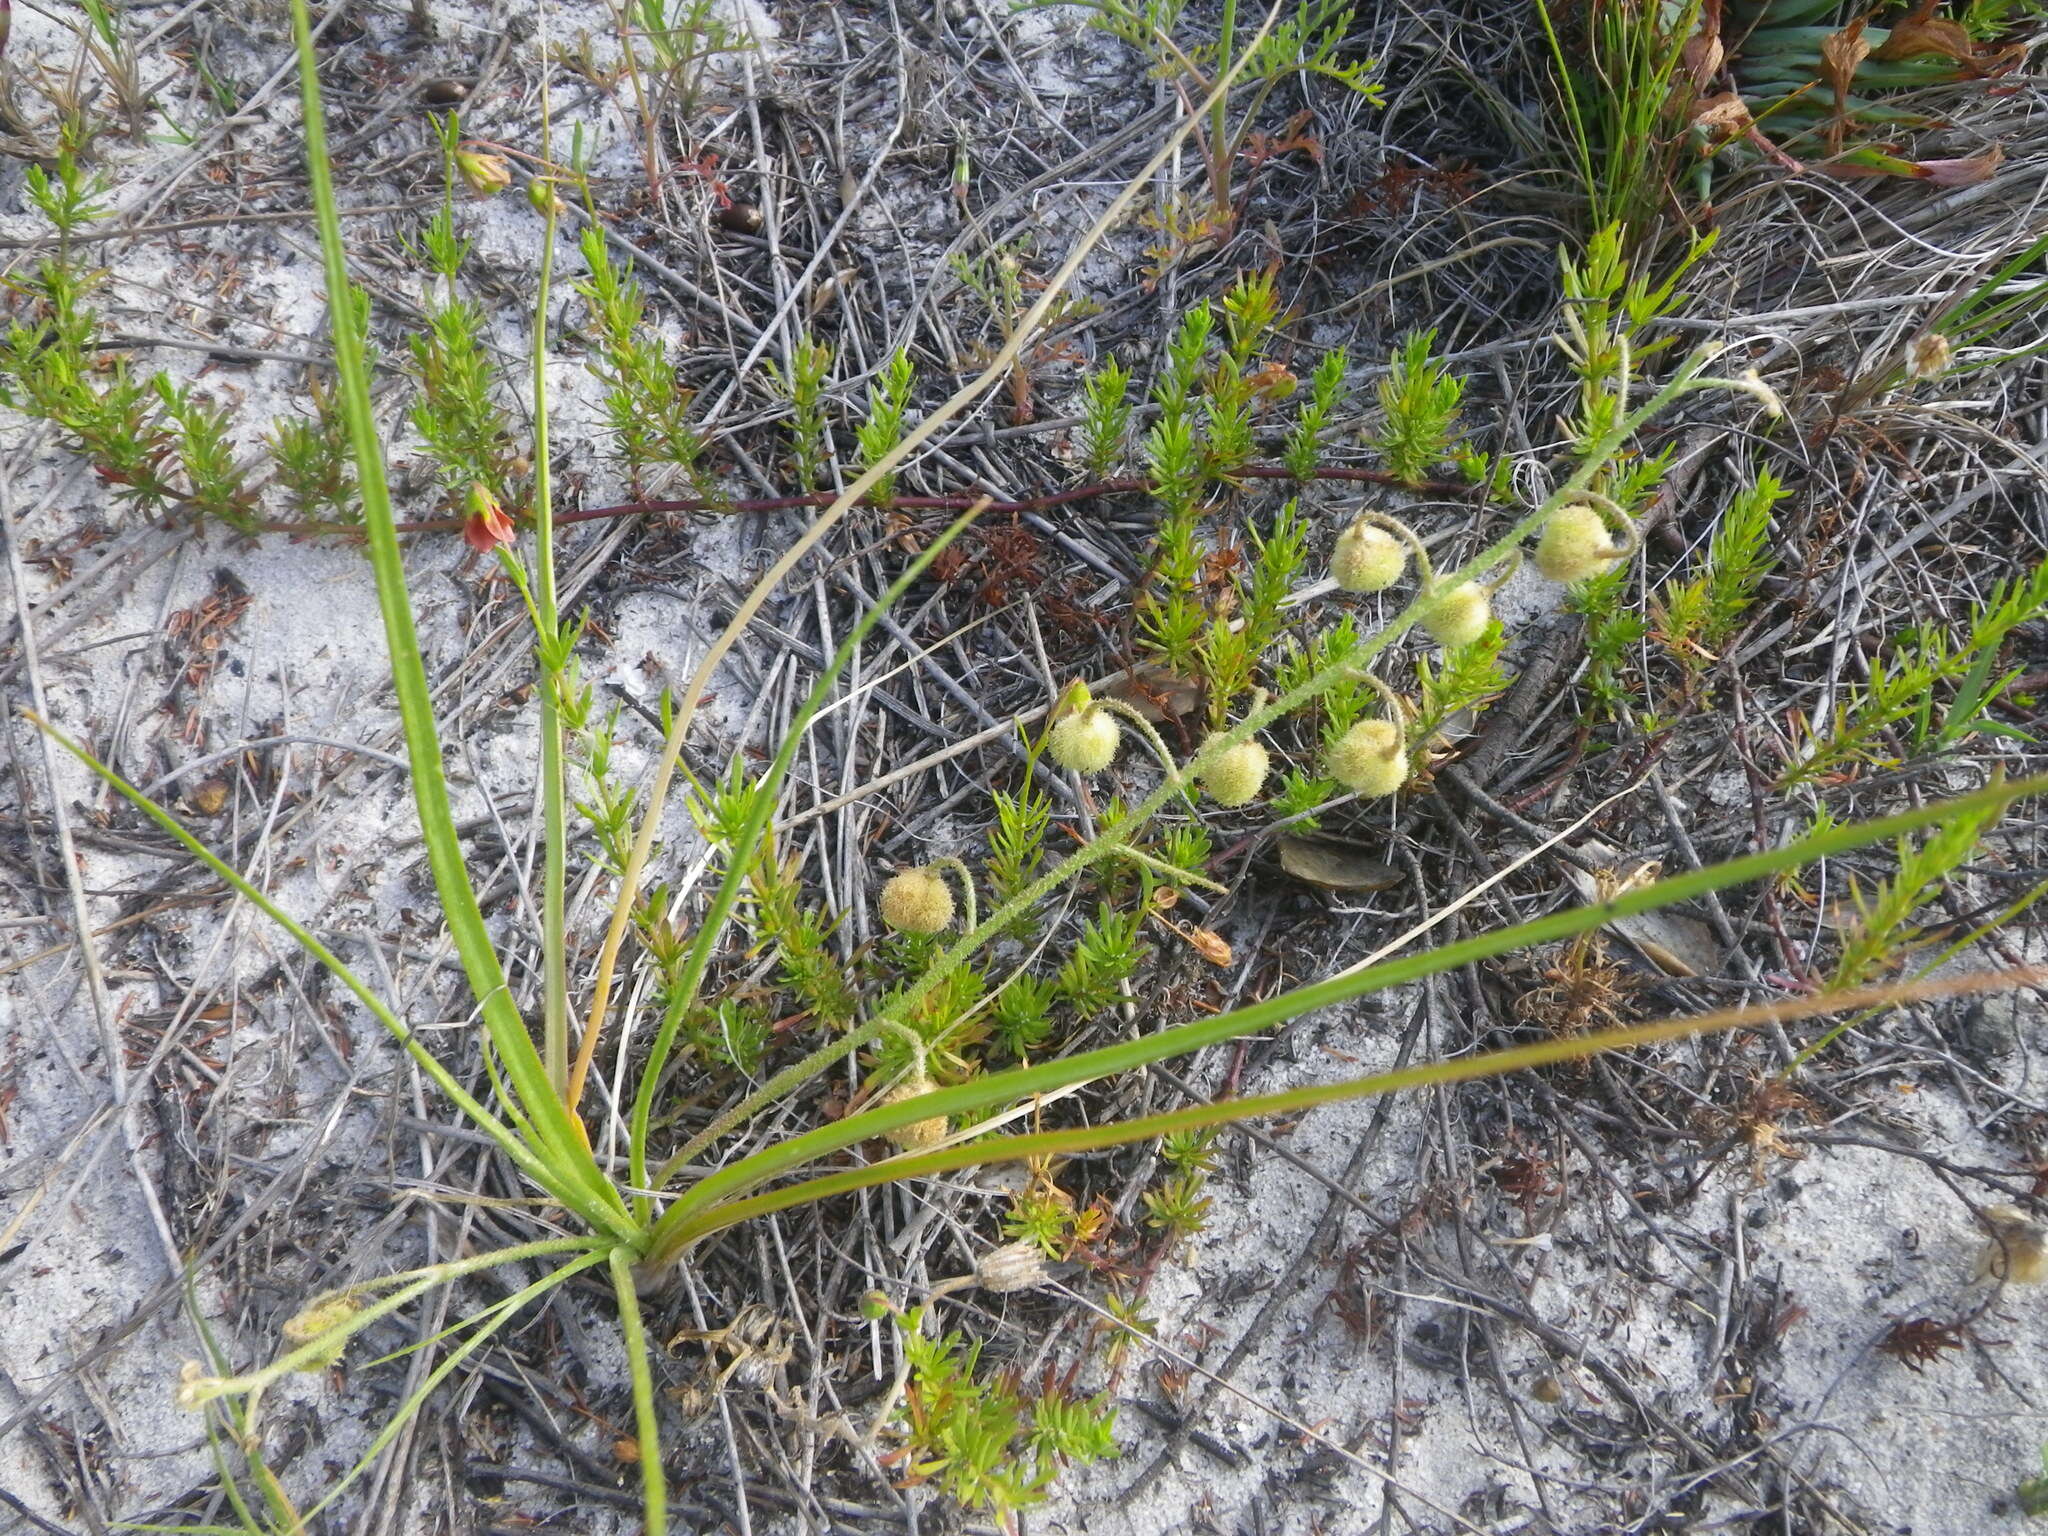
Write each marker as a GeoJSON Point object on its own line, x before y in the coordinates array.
{"type": "Point", "coordinates": [919, 1134]}
{"type": "Point", "coordinates": [1459, 616]}
{"type": "Point", "coordinates": [1013, 1267]}
{"type": "Point", "coordinates": [1085, 740]}
{"type": "Point", "coordinates": [917, 901]}
{"type": "Point", "coordinates": [1576, 544]}
{"type": "Point", "coordinates": [1367, 558]}
{"type": "Point", "coordinates": [1237, 775]}
{"type": "Point", "coordinates": [1370, 759]}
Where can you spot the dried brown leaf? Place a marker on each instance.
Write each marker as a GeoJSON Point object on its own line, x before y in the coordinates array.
{"type": "Point", "coordinates": [1335, 866]}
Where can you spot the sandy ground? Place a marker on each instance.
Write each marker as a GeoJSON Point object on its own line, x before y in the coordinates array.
{"type": "Point", "coordinates": [1480, 1310]}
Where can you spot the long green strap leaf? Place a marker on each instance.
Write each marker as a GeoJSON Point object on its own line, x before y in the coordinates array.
{"type": "Point", "coordinates": [646, 1421]}
{"type": "Point", "coordinates": [1463, 1069]}
{"type": "Point", "coordinates": [1020, 1084]}
{"type": "Point", "coordinates": [560, 1138]}
{"type": "Point", "coordinates": [543, 1173]}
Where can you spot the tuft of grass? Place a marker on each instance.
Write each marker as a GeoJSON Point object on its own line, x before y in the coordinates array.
{"type": "Point", "coordinates": [1622, 107]}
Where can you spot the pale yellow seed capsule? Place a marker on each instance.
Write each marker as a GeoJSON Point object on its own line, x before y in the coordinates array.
{"type": "Point", "coordinates": [919, 1134]}
{"type": "Point", "coordinates": [1927, 357]}
{"type": "Point", "coordinates": [1367, 558]}
{"type": "Point", "coordinates": [1012, 1267]}
{"type": "Point", "coordinates": [1236, 776]}
{"type": "Point", "coordinates": [1459, 616]}
{"type": "Point", "coordinates": [2018, 1250]}
{"type": "Point", "coordinates": [1085, 741]}
{"type": "Point", "coordinates": [917, 901]}
{"type": "Point", "coordinates": [1576, 544]}
{"type": "Point", "coordinates": [1370, 759]}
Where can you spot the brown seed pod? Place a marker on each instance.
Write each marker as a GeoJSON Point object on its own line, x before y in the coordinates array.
{"type": "Point", "coordinates": [741, 218]}
{"type": "Point", "coordinates": [444, 93]}
{"type": "Point", "coordinates": [208, 797]}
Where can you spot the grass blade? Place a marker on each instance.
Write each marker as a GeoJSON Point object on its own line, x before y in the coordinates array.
{"type": "Point", "coordinates": [1457, 1070]}
{"type": "Point", "coordinates": [1021, 1083]}
{"type": "Point", "coordinates": [543, 1172]}
{"type": "Point", "coordinates": [554, 1128]}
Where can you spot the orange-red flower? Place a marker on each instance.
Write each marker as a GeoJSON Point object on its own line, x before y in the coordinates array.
{"type": "Point", "coordinates": [487, 525]}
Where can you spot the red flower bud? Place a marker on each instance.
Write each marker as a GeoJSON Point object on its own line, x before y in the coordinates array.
{"type": "Point", "coordinates": [487, 525]}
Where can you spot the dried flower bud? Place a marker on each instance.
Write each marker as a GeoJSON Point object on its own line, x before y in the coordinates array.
{"type": "Point", "coordinates": [1085, 737]}
{"type": "Point", "coordinates": [1370, 759]}
{"type": "Point", "coordinates": [1576, 544]}
{"type": "Point", "coordinates": [1012, 1267]}
{"type": "Point", "coordinates": [483, 173]}
{"type": "Point", "coordinates": [1458, 616]}
{"type": "Point", "coordinates": [2018, 1250]}
{"type": "Point", "coordinates": [1367, 558]}
{"type": "Point", "coordinates": [917, 901]}
{"type": "Point", "coordinates": [1237, 775]}
{"type": "Point", "coordinates": [194, 1386]}
{"type": "Point", "coordinates": [919, 1134]}
{"type": "Point", "coordinates": [1927, 355]}
{"type": "Point", "coordinates": [540, 192]}
{"type": "Point", "coordinates": [1767, 397]}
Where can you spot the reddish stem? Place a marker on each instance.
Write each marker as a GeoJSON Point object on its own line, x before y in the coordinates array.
{"type": "Point", "coordinates": [909, 503]}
